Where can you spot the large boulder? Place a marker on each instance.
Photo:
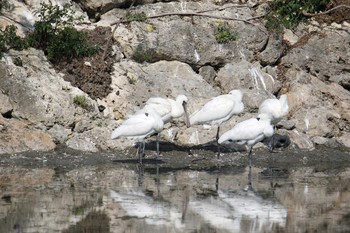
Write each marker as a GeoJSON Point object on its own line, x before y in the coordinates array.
{"type": "Point", "coordinates": [19, 136]}
{"type": "Point", "coordinates": [317, 108]}
{"type": "Point", "coordinates": [38, 93]}
{"type": "Point", "coordinates": [189, 39]}
{"type": "Point", "coordinates": [324, 54]}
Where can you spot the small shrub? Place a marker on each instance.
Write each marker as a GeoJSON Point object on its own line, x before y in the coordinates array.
{"type": "Point", "coordinates": [224, 33]}
{"type": "Point", "coordinates": [18, 61]}
{"type": "Point", "coordinates": [10, 40]}
{"type": "Point", "coordinates": [289, 13]}
{"type": "Point", "coordinates": [4, 4]}
{"type": "Point", "coordinates": [139, 17]}
{"type": "Point", "coordinates": [142, 54]}
{"type": "Point", "coordinates": [55, 35]}
{"type": "Point", "coordinates": [69, 44]}
{"type": "Point", "coordinates": [82, 101]}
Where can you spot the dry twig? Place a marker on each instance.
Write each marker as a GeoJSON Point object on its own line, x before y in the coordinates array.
{"type": "Point", "coordinates": [325, 12]}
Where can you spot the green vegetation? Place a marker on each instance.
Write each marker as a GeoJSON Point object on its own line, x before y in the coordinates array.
{"type": "Point", "coordinates": [4, 4]}
{"type": "Point", "coordinates": [224, 33]}
{"type": "Point", "coordinates": [18, 61]}
{"type": "Point", "coordinates": [82, 101]}
{"type": "Point", "coordinates": [139, 17]}
{"type": "Point", "coordinates": [53, 33]}
{"type": "Point", "coordinates": [9, 40]}
{"type": "Point", "coordinates": [289, 13]}
{"type": "Point", "coordinates": [142, 54]}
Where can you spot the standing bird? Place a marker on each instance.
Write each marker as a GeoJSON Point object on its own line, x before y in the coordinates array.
{"type": "Point", "coordinates": [249, 132]}
{"type": "Point", "coordinates": [218, 110]}
{"type": "Point", "coordinates": [276, 109]}
{"type": "Point", "coordinates": [137, 127]}
{"type": "Point", "coordinates": [168, 109]}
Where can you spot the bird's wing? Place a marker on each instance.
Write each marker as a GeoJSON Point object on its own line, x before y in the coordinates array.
{"type": "Point", "coordinates": [217, 108]}
{"type": "Point", "coordinates": [160, 105]}
{"type": "Point", "coordinates": [245, 130]}
{"type": "Point", "coordinates": [272, 107]}
{"type": "Point", "coordinates": [136, 126]}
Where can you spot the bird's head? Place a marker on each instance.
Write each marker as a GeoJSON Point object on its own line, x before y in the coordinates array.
{"type": "Point", "coordinates": [238, 94]}
{"type": "Point", "coordinates": [183, 100]}
{"type": "Point", "coordinates": [264, 116]}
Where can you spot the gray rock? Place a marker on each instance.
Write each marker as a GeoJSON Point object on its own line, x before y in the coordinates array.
{"type": "Point", "coordinates": [325, 54]}
{"type": "Point", "coordinates": [5, 106]}
{"type": "Point", "coordinates": [38, 93]}
{"type": "Point", "coordinates": [246, 75]}
{"type": "Point", "coordinates": [190, 39]}
{"type": "Point", "coordinates": [272, 52]}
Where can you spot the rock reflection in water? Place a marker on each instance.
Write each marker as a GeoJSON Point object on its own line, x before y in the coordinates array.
{"type": "Point", "coordinates": [129, 198]}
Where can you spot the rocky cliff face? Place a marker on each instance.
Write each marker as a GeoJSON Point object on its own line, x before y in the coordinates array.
{"type": "Point", "coordinates": [174, 52]}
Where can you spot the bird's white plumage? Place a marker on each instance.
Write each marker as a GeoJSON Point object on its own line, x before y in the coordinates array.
{"type": "Point", "coordinates": [167, 108]}
{"type": "Point", "coordinates": [219, 109]}
{"type": "Point", "coordinates": [249, 132]}
{"type": "Point", "coordinates": [139, 126]}
{"type": "Point", "coordinates": [275, 108]}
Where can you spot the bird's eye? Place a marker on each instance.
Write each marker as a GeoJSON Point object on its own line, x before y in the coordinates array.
{"type": "Point", "coordinates": [258, 118]}
{"type": "Point", "coordinates": [146, 114]}
{"type": "Point", "coordinates": [230, 140]}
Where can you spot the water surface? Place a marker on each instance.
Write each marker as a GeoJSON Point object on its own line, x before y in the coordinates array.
{"type": "Point", "coordinates": [63, 192]}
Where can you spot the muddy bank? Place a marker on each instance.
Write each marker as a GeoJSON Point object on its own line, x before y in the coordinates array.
{"type": "Point", "coordinates": [181, 158]}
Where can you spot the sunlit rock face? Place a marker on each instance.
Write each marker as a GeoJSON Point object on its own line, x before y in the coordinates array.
{"type": "Point", "coordinates": [171, 55]}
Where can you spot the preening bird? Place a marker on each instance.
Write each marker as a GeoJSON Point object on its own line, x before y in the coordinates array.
{"type": "Point", "coordinates": [249, 132]}
{"type": "Point", "coordinates": [218, 110]}
{"type": "Point", "coordinates": [137, 127]}
{"type": "Point", "coordinates": [276, 109]}
{"type": "Point", "coordinates": [168, 109]}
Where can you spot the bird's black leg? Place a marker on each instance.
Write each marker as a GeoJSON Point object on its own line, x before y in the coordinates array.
{"type": "Point", "coordinates": [217, 141]}
{"type": "Point", "coordinates": [157, 145]}
{"type": "Point", "coordinates": [138, 149]}
{"type": "Point", "coordinates": [249, 185]}
{"type": "Point", "coordinates": [272, 141]}
{"type": "Point", "coordinates": [143, 149]}
{"type": "Point", "coordinates": [141, 152]}
{"type": "Point", "coordinates": [250, 157]}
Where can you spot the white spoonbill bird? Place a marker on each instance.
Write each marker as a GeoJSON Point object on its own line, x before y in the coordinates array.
{"type": "Point", "coordinates": [276, 109]}
{"type": "Point", "coordinates": [137, 127]}
{"type": "Point", "coordinates": [218, 110]}
{"type": "Point", "coordinates": [168, 109]}
{"type": "Point", "coordinates": [249, 132]}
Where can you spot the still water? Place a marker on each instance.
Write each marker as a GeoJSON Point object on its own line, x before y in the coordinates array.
{"type": "Point", "coordinates": [118, 196]}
